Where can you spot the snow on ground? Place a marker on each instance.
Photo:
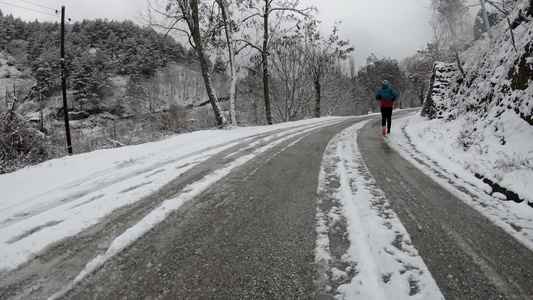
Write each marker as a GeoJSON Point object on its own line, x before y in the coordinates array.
{"type": "Point", "coordinates": [379, 244]}
{"type": "Point", "coordinates": [386, 264]}
{"type": "Point", "coordinates": [432, 146]}
{"type": "Point", "coordinates": [11, 79]}
{"type": "Point", "coordinates": [43, 204]}
{"type": "Point", "coordinates": [485, 112]}
{"type": "Point", "coordinates": [59, 198]}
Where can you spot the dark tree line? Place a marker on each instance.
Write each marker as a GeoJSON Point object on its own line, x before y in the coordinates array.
{"type": "Point", "coordinates": [95, 50]}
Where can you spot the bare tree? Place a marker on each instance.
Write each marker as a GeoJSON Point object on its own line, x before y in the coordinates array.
{"type": "Point", "coordinates": [337, 88]}
{"type": "Point", "coordinates": [252, 108]}
{"type": "Point", "coordinates": [452, 15]}
{"type": "Point", "coordinates": [435, 47]}
{"type": "Point", "coordinates": [20, 144]}
{"type": "Point", "coordinates": [222, 38]}
{"type": "Point", "coordinates": [260, 20]}
{"type": "Point", "coordinates": [190, 12]}
{"type": "Point", "coordinates": [224, 7]}
{"type": "Point", "coordinates": [292, 88]}
{"type": "Point", "coordinates": [486, 18]}
{"type": "Point", "coordinates": [320, 53]}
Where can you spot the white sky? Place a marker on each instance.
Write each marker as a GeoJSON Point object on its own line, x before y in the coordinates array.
{"type": "Point", "coordinates": [94, 184]}
{"type": "Point", "coordinates": [390, 28]}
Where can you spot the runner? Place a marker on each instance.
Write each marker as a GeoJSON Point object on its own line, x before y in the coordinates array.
{"type": "Point", "coordinates": [386, 96]}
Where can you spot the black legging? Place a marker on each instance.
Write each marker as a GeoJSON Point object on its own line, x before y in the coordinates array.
{"type": "Point", "coordinates": [386, 117]}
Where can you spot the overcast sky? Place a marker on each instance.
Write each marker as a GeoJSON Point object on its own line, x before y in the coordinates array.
{"type": "Point", "coordinates": [389, 28]}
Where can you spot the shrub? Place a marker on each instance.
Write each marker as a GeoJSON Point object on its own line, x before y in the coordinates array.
{"type": "Point", "coordinates": [175, 119]}
{"type": "Point", "coordinates": [20, 144]}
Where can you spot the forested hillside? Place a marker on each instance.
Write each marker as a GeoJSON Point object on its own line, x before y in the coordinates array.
{"type": "Point", "coordinates": [126, 84]}
{"type": "Point", "coordinates": [94, 50]}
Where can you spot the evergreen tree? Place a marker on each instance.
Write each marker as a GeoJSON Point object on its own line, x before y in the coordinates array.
{"type": "Point", "coordinates": [89, 79]}
{"type": "Point", "coordinates": [479, 23]}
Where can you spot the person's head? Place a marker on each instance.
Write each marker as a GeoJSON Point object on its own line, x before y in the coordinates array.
{"type": "Point", "coordinates": [385, 83]}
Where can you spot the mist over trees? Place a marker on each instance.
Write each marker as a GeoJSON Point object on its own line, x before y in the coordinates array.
{"type": "Point", "coordinates": [450, 18]}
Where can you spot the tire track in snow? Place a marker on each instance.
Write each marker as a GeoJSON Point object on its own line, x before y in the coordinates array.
{"type": "Point", "coordinates": [469, 257]}
{"type": "Point", "coordinates": [191, 191]}
{"type": "Point", "coordinates": [28, 232]}
{"type": "Point", "coordinates": [120, 172]}
{"type": "Point", "coordinates": [97, 182]}
{"type": "Point", "coordinates": [119, 236]}
{"type": "Point", "coordinates": [363, 250]}
{"type": "Point", "coordinates": [472, 191]}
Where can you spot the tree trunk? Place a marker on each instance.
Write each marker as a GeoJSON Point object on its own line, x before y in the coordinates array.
{"type": "Point", "coordinates": [221, 119]}
{"type": "Point", "coordinates": [317, 94]}
{"type": "Point", "coordinates": [457, 58]}
{"type": "Point", "coordinates": [194, 26]}
{"type": "Point", "coordinates": [224, 7]}
{"type": "Point", "coordinates": [486, 18]}
{"type": "Point", "coordinates": [264, 56]}
{"type": "Point", "coordinates": [459, 64]}
{"type": "Point", "coordinates": [421, 93]}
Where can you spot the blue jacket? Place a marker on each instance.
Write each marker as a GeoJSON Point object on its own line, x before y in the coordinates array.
{"type": "Point", "coordinates": [387, 96]}
{"type": "Point", "coordinates": [387, 93]}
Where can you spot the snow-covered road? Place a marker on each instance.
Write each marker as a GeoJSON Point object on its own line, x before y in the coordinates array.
{"type": "Point", "coordinates": [61, 198]}
{"type": "Point", "coordinates": [469, 254]}
{"type": "Point", "coordinates": [380, 261]}
{"type": "Point", "coordinates": [63, 220]}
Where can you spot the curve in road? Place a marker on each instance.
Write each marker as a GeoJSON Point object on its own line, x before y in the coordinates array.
{"type": "Point", "coordinates": [469, 257]}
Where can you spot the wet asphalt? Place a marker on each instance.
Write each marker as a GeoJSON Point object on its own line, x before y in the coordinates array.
{"type": "Point", "coordinates": [252, 235]}
{"type": "Point", "coordinates": [468, 256]}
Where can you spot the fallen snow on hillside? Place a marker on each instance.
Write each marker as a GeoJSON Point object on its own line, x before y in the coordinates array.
{"type": "Point", "coordinates": [10, 80]}
{"type": "Point", "coordinates": [482, 119]}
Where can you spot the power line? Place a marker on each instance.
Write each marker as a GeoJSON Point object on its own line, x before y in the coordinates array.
{"type": "Point", "coordinates": [26, 8]}
{"type": "Point", "coordinates": [39, 5]}
{"type": "Point", "coordinates": [427, 7]}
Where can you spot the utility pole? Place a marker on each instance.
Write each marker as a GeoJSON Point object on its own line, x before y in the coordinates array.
{"type": "Point", "coordinates": [14, 100]}
{"type": "Point", "coordinates": [41, 105]}
{"type": "Point", "coordinates": [64, 80]}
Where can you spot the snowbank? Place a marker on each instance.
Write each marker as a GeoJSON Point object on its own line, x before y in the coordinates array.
{"type": "Point", "coordinates": [487, 116]}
